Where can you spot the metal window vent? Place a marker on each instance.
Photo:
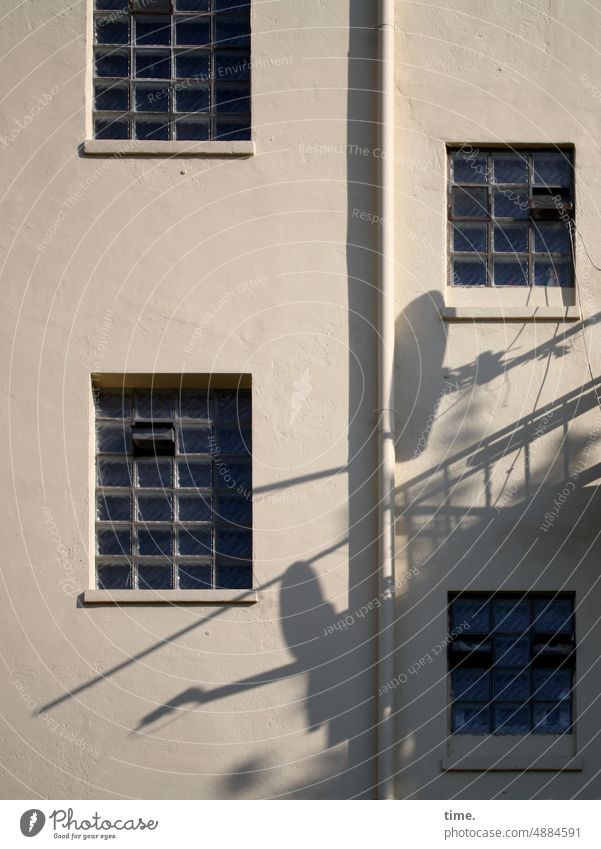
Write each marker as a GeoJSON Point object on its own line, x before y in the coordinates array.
{"type": "Point", "coordinates": [153, 439]}
{"type": "Point", "coordinates": [549, 204]}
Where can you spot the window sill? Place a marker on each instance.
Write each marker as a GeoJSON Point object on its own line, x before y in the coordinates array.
{"type": "Point", "coordinates": [557, 313]}
{"type": "Point", "coordinates": [170, 597]}
{"type": "Point", "coordinates": [116, 147]}
{"type": "Point", "coordinates": [511, 764]}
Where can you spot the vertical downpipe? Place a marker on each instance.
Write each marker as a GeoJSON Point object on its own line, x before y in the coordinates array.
{"type": "Point", "coordinates": [386, 425]}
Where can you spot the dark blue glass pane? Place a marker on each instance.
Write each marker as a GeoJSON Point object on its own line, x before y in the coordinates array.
{"type": "Point", "coordinates": [151, 577]}
{"type": "Point", "coordinates": [232, 30]}
{"type": "Point", "coordinates": [194, 541]}
{"type": "Point", "coordinates": [553, 616]}
{"type": "Point", "coordinates": [112, 5]}
{"type": "Point", "coordinates": [470, 168]}
{"type": "Point", "coordinates": [193, 31]}
{"type": "Point", "coordinates": [233, 577]}
{"type": "Point", "coordinates": [152, 130]}
{"type": "Point", "coordinates": [192, 64]}
{"type": "Point", "coordinates": [470, 272]}
{"type": "Point", "coordinates": [192, 130]}
{"type": "Point", "coordinates": [233, 440]}
{"type": "Point", "coordinates": [511, 616]}
{"type": "Point", "coordinates": [512, 651]}
{"type": "Point", "coordinates": [155, 472]}
{"type": "Point", "coordinates": [472, 684]}
{"type": "Point", "coordinates": [231, 66]}
{"type": "Point", "coordinates": [551, 238]}
{"type": "Point", "coordinates": [194, 576]}
{"type": "Point", "coordinates": [194, 508]}
{"type": "Point", "coordinates": [152, 30]}
{"type": "Point", "coordinates": [471, 614]}
{"type": "Point", "coordinates": [511, 719]}
{"type": "Point", "coordinates": [155, 508]}
{"type": "Point", "coordinates": [232, 132]}
{"type": "Point", "coordinates": [510, 272]}
{"type": "Point", "coordinates": [193, 473]}
{"type": "Point", "coordinates": [511, 203]}
{"type": "Point", "coordinates": [237, 5]}
{"type": "Point", "coordinates": [510, 238]}
{"type": "Point", "coordinates": [154, 542]}
{"type": "Point", "coordinates": [154, 404]}
{"type": "Point", "coordinates": [111, 541]}
{"type": "Point", "coordinates": [510, 685]}
{"type": "Point", "coordinates": [470, 203]}
{"type": "Point", "coordinates": [153, 65]}
{"type": "Point", "coordinates": [552, 169]}
{"type": "Point", "coordinates": [233, 476]}
{"type": "Point", "coordinates": [552, 273]}
{"type": "Point", "coordinates": [112, 404]}
{"type": "Point", "coordinates": [470, 237]}
{"type": "Point", "coordinates": [192, 99]}
{"type": "Point", "coordinates": [194, 439]}
{"type": "Point", "coordinates": [470, 719]}
{"type": "Point", "coordinates": [154, 98]}
{"type": "Point", "coordinates": [235, 543]}
{"type": "Point", "coordinates": [150, 5]}
{"type": "Point", "coordinates": [552, 685]}
{"type": "Point", "coordinates": [192, 5]}
{"type": "Point", "coordinates": [112, 64]}
{"type": "Point", "coordinates": [113, 438]}
{"type": "Point", "coordinates": [234, 509]}
{"type": "Point", "coordinates": [113, 508]}
{"type": "Point", "coordinates": [117, 129]}
{"type": "Point", "coordinates": [232, 99]}
{"type": "Point", "coordinates": [113, 577]}
{"type": "Point", "coordinates": [111, 98]}
{"type": "Point", "coordinates": [193, 404]}
{"type": "Point", "coordinates": [232, 405]}
{"type": "Point", "coordinates": [552, 719]}
{"type": "Point", "coordinates": [510, 168]}
{"type": "Point", "coordinates": [112, 30]}
{"type": "Point", "coordinates": [113, 472]}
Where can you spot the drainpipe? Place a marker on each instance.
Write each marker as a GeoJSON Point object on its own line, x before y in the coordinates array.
{"type": "Point", "coordinates": [386, 459]}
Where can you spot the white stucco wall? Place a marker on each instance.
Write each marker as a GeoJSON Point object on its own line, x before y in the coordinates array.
{"type": "Point", "coordinates": [203, 266]}
{"type": "Point", "coordinates": [497, 417]}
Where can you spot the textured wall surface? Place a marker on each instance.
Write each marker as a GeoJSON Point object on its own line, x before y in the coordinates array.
{"type": "Point", "coordinates": [114, 264]}
{"type": "Point", "coordinates": [498, 419]}
{"type": "Point", "coordinates": [265, 265]}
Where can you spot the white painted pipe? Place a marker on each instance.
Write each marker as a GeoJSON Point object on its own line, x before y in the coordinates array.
{"type": "Point", "coordinates": [386, 425]}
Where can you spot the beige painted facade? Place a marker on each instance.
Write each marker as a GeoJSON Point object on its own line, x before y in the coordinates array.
{"type": "Point", "coordinates": [264, 264]}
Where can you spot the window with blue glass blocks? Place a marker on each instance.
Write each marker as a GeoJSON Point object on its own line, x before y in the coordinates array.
{"type": "Point", "coordinates": [511, 662]}
{"type": "Point", "coordinates": [173, 489]}
{"type": "Point", "coordinates": [511, 215]}
{"type": "Point", "coordinates": [172, 70]}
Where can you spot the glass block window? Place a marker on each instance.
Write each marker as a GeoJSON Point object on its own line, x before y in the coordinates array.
{"type": "Point", "coordinates": [172, 69]}
{"type": "Point", "coordinates": [173, 489]}
{"type": "Point", "coordinates": [512, 664]}
{"type": "Point", "coordinates": [510, 217]}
